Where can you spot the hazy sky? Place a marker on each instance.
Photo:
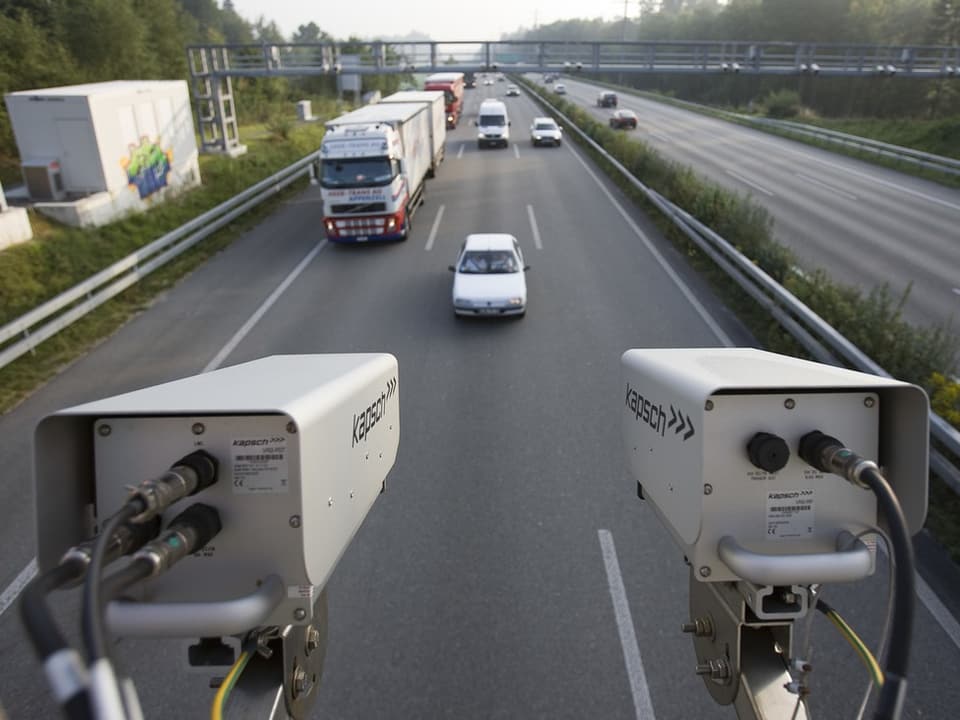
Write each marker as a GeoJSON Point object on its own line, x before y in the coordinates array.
{"type": "Point", "coordinates": [483, 20]}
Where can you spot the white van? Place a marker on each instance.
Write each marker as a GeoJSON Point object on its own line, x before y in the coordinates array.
{"type": "Point", "coordinates": [493, 124]}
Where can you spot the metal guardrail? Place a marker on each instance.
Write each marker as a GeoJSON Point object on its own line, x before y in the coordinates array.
{"type": "Point", "coordinates": [930, 161]}
{"type": "Point", "coordinates": [897, 152]}
{"type": "Point", "coordinates": [66, 308]}
{"type": "Point", "coordinates": [817, 336]}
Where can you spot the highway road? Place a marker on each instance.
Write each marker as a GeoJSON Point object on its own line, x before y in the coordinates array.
{"type": "Point", "coordinates": [864, 224]}
{"type": "Point", "coordinates": [509, 571]}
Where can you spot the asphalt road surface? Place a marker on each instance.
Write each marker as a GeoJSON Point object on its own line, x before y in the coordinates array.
{"type": "Point", "coordinates": [866, 225]}
{"type": "Point", "coordinates": [509, 571]}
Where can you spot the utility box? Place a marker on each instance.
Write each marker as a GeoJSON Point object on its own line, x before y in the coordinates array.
{"type": "Point", "coordinates": [14, 224]}
{"type": "Point", "coordinates": [92, 153]}
{"type": "Point", "coordinates": [304, 111]}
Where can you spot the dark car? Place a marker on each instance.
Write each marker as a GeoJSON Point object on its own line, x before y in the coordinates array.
{"type": "Point", "coordinates": [624, 120]}
{"type": "Point", "coordinates": [607, 99]}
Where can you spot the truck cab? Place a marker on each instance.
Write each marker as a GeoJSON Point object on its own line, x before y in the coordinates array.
{"type": "Point", "coordinates": [452, 84]}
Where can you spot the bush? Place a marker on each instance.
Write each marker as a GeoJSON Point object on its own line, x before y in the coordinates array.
{"type": "Point", "coordinates": [280, 126]}
{"type": "Point", "coordinates": [782, 104]}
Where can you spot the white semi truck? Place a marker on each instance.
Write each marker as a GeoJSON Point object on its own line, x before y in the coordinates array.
{"type": "Point", "coordinates": [373, 165]}
{"type": "Point", "coordinates": [438, 113]}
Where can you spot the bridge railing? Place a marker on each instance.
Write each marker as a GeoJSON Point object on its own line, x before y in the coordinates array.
{"type": "Point", "coordinates": [920, 61]}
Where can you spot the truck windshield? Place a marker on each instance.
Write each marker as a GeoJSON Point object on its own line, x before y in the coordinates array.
{"type": "Point", "coordinates": [358, 172]}
{"type": "Point", "coordinates": [492, 120]}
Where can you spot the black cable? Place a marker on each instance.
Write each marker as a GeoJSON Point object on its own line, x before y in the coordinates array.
{"type": "Point", "coordinates": [94, 637]}
{"type": "Point", "coordinates": [112, 586]}
{"type": "Point", "coordinates": [829, 455]}
{"type": "Point", "coordinates": [897, 657]}
{"type": "Point", "coordinates": [35, 614]}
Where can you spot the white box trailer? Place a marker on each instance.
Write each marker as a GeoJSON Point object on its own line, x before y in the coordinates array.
{"type": "Point", "coordinates": [132, 140]}
{"type": "Point", "coordinates": [438, 113]}
{"type": "Point", "coordinates": [373, 167]}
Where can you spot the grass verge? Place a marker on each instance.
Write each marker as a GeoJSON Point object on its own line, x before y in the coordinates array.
{"type": "Point", "coordinates": [926, 356]}
{"type": "Point", "coordinates": [59, 257]}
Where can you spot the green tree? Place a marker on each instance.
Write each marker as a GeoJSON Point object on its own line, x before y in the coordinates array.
{"type": "Point", "coordinates": [119, 48]}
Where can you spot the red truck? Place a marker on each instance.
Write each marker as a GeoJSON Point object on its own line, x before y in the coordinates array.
{"type": "Point", "coordinates": [452, 84]}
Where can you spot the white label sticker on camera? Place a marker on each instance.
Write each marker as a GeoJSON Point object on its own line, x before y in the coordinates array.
{"type": "Point", "coordinates": [259, 465]}
{"type": "Point", "coordinates": [790, 514]}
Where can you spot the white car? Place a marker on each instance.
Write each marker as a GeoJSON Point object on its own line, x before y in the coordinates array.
{"type": "Point", "coordinates": [545, 131]}
{"type": "Point", "coordinates": [513, 91]}
{"type": "Point", "coordinates": [560, 89]}
{"type": "Point", "coordinates": [489, 276]}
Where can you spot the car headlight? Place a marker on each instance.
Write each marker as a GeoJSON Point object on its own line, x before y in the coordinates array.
{"type": "Point", "coordinates": [515, 301]}
{"type": "Point", "coordinates": [463, 302]}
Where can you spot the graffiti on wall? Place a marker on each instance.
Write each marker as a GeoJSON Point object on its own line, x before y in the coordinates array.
{"type": "Point", "coordinates": [147, 166]}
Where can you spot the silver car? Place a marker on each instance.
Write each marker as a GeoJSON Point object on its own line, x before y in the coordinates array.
{"type": "Point", "coordinates": [545, 131]}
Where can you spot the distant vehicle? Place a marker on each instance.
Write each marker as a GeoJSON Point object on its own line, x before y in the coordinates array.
{"type": "Point", "coordinates": [513, 91]}
{"type": "Point", "coordinates": [489, 276]}
{"type": "Point", "coordinates": [488, 81]}
{"type": "Point", "coordinates": [470, 80]}
{"type": "Point", "coordinates": [545, 131]}
{"type": "Point", "coordinates": [548, 78]}
{"type": "Point", "coordinates": [624, 120]}
{"type": "Point", "coordinates": [451, 83]}
{"type": "Point", "coordinates": [493, 124]}
{"type": "Point", "coordinates": [560, 89]}
{"type": "Point", "coordinates": [607, 99]}
{"type": "Point", "coordinates": [501, 77]}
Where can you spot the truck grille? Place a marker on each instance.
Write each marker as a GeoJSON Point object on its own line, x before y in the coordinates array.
{"type": "Point", "coordinates": [347, 208]}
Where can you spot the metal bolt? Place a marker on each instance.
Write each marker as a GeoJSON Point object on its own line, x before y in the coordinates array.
{"type": "Point", "coordinates": [704, 571]}
{"type": "Point", "coordinates": [198, 429]}
{"type": "Point", "coordinates": [104, 430]}
{"type": "Point", "coordinates": [708, 489]}
{"type": "Point", "coordinates": [329, 502]}
{"type": "Point", "coordinates": [708, 406]}
{"type": "Point", "coordinates": [300, 614]}
{"type": "Point", "coordinates": [299, 685]}
{"type": "Point", "coordinates": [789, 598]}
{"type": "Point", "coordinates": [701, 627]}
{"type": "Point", "coordinates": [294, 521]}
{"type": "Point", "coordinates": [313, 639]}
{"type": "Point", "coordinates": [789, 403]}
{"type": "Point", "coordinates": [716, 669]}
{"type": "Point", "coordinates": [869, 401]}
{"type": "Point", "coordinates": [292, 427]}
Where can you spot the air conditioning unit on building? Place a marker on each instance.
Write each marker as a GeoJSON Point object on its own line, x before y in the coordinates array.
{"type": "Point", "coordinates": [44, 180]}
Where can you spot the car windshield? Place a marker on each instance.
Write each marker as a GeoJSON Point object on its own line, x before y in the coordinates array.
{"type": "Point", "coordinates": [478, 262]}
{"type": "Point", "coordinates": [359, 172]}
{"type": "Point", "coordinates": [492, 120]}
{"type": "Point", "coordinates": [546, 126]}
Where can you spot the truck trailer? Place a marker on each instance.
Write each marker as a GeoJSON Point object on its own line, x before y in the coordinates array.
{"type": "Point", "coordinates": [438, 125]}
{"type": "Point", "coordinates": [451, 83]}
{"type": "Point", "coordinates": [373, 166]}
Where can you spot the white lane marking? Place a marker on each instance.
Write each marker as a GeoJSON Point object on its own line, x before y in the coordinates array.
{"type": "Point", "coordinates": [516, 151]}
{"type": "Point", "coordinates": [831, 188]}
{"type": "Point", "coordinates": [433, 230]}
{"type": "Point", "coordinates": [749, 182]}
{"type": "Point", "coordinates": [670, 272]}
{"type": "Point", "coordinates": [262, 310]}
{"type": "Point", "coordinates": [533, 228]}
{"type": "Point", "coordinates": [628, 636]}
{"type": "Point", "coordinates": [871, 178]}
{"type": "Point", "coordinates": [16, 587]}
{"type": "Point", "coordinates": [939, 611]}
{"type": "Point", "coordinates": [659, 136]}
{"type": "Point", "coordinates": [460, 151]}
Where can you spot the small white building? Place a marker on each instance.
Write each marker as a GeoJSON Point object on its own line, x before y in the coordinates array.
{"type": "Point", "coordinates": [93, 153]}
